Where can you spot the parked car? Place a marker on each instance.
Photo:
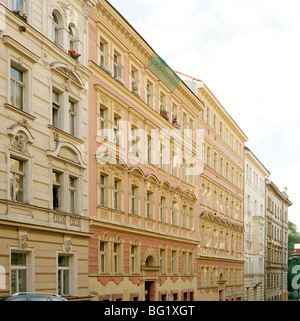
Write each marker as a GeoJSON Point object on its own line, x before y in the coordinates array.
{"type": "Point", "coordinates": [34, 296]}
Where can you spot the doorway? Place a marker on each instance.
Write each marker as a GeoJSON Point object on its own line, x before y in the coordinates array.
{"type": "Point", "coordinates": [149, 291]}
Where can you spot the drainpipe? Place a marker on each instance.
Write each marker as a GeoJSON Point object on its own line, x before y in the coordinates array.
{"type": "Point", "coordinates": [265, 245]}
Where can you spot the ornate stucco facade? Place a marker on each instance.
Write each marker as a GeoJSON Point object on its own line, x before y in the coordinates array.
{"type": "Point", "coordinates": [44, 216]}
{"type": "Point", "coordinates": [255, 226]}
{"type": "Point", "coordinates": [276, 243]}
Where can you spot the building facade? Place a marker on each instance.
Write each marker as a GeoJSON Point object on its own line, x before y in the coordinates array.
{"type": "Point", "coordinates": [44, 216]}
{"type": "Point", "coordinates": [254, 223]}
{"type": "Point", "coordinates": [142, 199]}
{"type": "Point", "coordinates": [276, 243]}
{"type": "Point", "coordinates": [220, 223]}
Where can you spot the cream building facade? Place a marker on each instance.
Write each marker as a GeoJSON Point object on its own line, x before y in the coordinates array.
{"type": "Point", "coordinates": [44, 217]}
{"type": "Point", "coordinates": [277, 243]}
{"type": "Point", "coordinates": [254, 223]}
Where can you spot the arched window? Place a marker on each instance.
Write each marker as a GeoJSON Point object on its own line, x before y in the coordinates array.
{"type": "Point", "coordinates": [72, 37]}
{"type": "Point", "coordinates": [57, 28]}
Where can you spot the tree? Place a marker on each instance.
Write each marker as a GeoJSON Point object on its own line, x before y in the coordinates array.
{"type": "Point", "coordinates": [294, 237]}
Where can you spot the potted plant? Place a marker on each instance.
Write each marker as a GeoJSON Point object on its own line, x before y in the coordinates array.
{"type": "Point", "coordinates": [74, 54]}
{"type": "Point", "coordinates": [175, 122]}
{"type": "Point", "coordinates": [164, 113]}
{"type": "Point", "coordinates": [21, 15]}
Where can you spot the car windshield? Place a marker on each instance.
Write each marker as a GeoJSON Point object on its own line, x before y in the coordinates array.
{"type": "Point", "coordinates": [38, 298]}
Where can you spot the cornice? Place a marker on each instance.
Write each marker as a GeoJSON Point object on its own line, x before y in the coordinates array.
{"type": "Point", "coordinates": [119, 24]}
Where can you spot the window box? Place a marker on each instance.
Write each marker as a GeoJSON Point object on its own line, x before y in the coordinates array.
{"type": "Point", "coordinates": [74, 54]}
{"type": "Point", "coordinates": [175, 123]}
{"type": "Point", "coordinates": [164, 114]}
{"type": "Point", "coordinates": [21, 15]}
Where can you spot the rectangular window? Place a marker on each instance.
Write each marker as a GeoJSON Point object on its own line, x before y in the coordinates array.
{"type": "Point", "coordinates": [148, 205]}
{"type": "Point", "coordinates": [149, 97]}
{"type": "Point", "coordinates": [55, 109]}
{"type": "Point", "coordinates": [102, 248]}
{"type": "Point", "coordinates": [103, 52]}
{"type": "Point", "coordinates": [133, 200]}
{"type": "Point", "coordinates": [19, 272]}
{"type": "Point", "coordinates": [102, 190]}
{"type": "Point", "coordinates": [117, 70]}
{"type": "Point", "coordinates": [149, 149]}
{"type": "Point", "coordinates": [18, 5]}
{"type": "Point", "coordinates": [116, 257]}
{"type": "Point", "coordinates": [173, 262]}
{"type": "Point", "coordinates": [162, 209]}
{"type": "Point", "coordinates": [132, 258]}
{"type": "Point", "coordinates": [72, 194]}
{"type": "Point", "coordinates": [71, 117]}
{"type": "Point", "coordinates": [116, 194]}
{"type": "Point", "coordinates": [162, 261]}
{"type": "Point", "coordinates": [17, 178]}
{"type": "Point", "coordinates": [64, 274]}
{"type": "Point", "coordinates": [116, 131]}
{"type": "Point", "coordinates": [102, 118]}
{"type": "Point", "coordinates": [17, 87]}
{"type": "Point", "coordinates": [134, 148]}
{"type": "Point", "coordinates": [56, 190]}
{"type": "Point", "coordinates": [134, 81]}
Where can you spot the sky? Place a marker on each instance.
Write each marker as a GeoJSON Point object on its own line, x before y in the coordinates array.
{"type": "Point", "coordinates": [247, 52]}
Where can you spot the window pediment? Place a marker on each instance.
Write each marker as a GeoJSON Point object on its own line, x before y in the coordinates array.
{"type": "Point", "coordinates": [68, 71]}
{"type": "Point", "coordinates": [68, 152]}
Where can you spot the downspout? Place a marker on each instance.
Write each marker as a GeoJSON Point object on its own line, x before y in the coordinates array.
{"type": "Point", "coordinates": [265, 245]}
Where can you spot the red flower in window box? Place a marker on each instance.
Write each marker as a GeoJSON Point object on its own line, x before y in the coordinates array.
{"type": "Point", "coordinates": [74, 54]}
{"type": "Point", "coordinates": [21, 15]}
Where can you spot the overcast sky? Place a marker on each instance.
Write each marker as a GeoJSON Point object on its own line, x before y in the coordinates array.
{"type": "Point", "coordinates": [248, 54]}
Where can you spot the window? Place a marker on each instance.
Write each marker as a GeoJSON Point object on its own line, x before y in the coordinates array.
{"type": "Point", "coordinates": [72, 194]}
{"type": "Point", "coordinates": [117, 71]}
{"type": "Point", "coordinates": [162, 260]}
{"type": "Point", "coordinates": [161, 155]}
{"type": "Point", "coordinates": [103, 50]}
{"type": "Point", "coordinates": [71, 117]}
{"type": "Point", "coordinates": [174, 213]}
{"type": "Point", "coordinates": [55, 109]}
{"type": "Point", "coordinates": [134, 80]}
{"type": "Point", "coordinates": [162, 101]}
{"type": "Point", "coordinates": [134, 139]}
{"type": "Point", "coordinates": [71, 33]}
{"type": "Point", "coordinates": [18, 5]}
{"type": "Point", "coordinates": [102, 195]}
{"type": "Point", "coordinates": [64, 274]}
{"type": "Point", "coordinates": [102, 121]}
{"type": "Point", "coordinates": [174, 262]}
{"type": "Point", "coordinates": [56, 190]}
{"type": "Point", "coordinates": [56, 28]}
{"type": "Point", "coordinates": [17, 87]}
{"type": "Point", "coordinates": [17, 179]}
{"type": "Point", "coordinates": [116, 257]}
{"type": "Point", "coordinates": [19, 272]}
{"type": "Point", "coordinates": [133, 200]}
{"type": "Point", "coordinates": [116, 194]}
{"type": "Point", "coordinates": [133, 252]}
{"type": "Point", "coordinates": [116, 130]}
{"type": "Point", "coordinates": [149, 205]}
{"type": "Point", "coordinates": [102, 256]}
{"type": "Point", "coordinates": [149, 149]}
{"type": "Point", "coordinates": [174, 112]}
{"type": "Point", "coordinates": [162, 209]}
{"type": "Point", "coordinates": [149, 97]}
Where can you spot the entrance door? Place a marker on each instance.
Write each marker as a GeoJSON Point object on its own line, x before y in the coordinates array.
{"type": "Point", "coordinates": [221, 295]}
{"type": "Point", "coordinates": [149, 291]}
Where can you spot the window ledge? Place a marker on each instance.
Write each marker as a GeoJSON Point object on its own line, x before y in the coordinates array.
{"type": "Point", "coordinates": [19, 111]}
{"type": "Point", "coordinates": [58, 130]}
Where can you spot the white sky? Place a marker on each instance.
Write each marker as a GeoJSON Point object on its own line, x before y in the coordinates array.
{"type": "Point", "coordinates": [248, 54]}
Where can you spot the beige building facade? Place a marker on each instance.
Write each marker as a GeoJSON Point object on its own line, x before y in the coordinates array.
{"type": "Point", "coordinates": [254, 223]}
{"type": "Point", "coordinates": [44, 217]}
{"type": "Point", "coordinates": [276, 243]}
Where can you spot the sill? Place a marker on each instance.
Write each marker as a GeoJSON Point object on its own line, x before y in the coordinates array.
{"type": "Point", "coordinates": [19, 111]}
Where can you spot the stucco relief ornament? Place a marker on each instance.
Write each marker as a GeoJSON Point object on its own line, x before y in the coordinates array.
{"type": "Point", "coordinates": [23, 241]}
{"type": "Point", "coordinates": [19, 143]}
{"type": "Point", "coordinates": [68, 246]}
